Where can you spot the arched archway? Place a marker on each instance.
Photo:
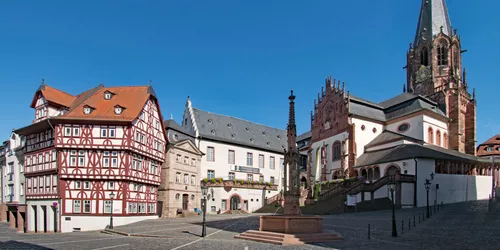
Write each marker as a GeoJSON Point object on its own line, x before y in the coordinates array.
{"type": "Point", "coordinates": [376, 173]}
{"type": "Point", "coordinates": [364, 173]}
{"type": "Point", "coordinates": [303, 182]}
{"type": "Point", "coordinates": [430, 136]}
{"type": "Point", "coordinates": [392, 170]}
{"type": "Point", "coordinates": [235, 202]}
{"type": "Point", "coordinates": [370, 174]}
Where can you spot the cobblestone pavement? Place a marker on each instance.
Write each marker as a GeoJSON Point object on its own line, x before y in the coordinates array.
{"type": "Point", "coordinates": [456, 226]}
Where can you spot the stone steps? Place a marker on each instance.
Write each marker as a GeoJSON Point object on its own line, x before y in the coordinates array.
{"type": "Point", "coordinates": [288, 239]}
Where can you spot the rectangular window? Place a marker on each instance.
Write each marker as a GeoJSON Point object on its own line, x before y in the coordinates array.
{"type": "Point", "coordinates": [78, 185]}
{"type": "Point", "coordinates": [72, 158]}
{"type": "Point", "coordinates": [114, 159]}
{"type": "Point", "coordinates": [271, 162]}
{"type": "Point", "coordinates": [193, 162]}
{"type": "Point", "coordinates": [21, 191]}
{"type": "Point", "coordinates": [107, 206]}
{"type": "Point", "coordinates": [249, 159]}
{"type": "Point", "coordinates": [76, 131]}
{"type": "Point", "coordinates": [210, 154]}
{"type": "Point", "coordinates": [112, 133]}
{"type": "Point", "coordinates": [186, 179]}
{"type": "Point", "coordinates": [178, 158]}
{"type": "Point", "coordinates": [81, 158]}
{"type": "Point", "coordinates": [178, 177]}
{"type": "Point", "coordinates": [272, 180]}
{"type": "Point", "coordinates": [223, 205]}
{"type": "Point", "coordinates": [249, 177]}
{"type": "Point", "coordinates": [67, 131]}
{"type": "Point", "coordinates": [210, 174]}
{"type": "Point", "coordinates": [104, 132]}
{"type": "Point", "coordinates": [47, 181]}
{"type": "Point", "coordinates": [143, 138]}
{"type": "Point", "coordinates": [86, 185]}
{"type": "Point", "coordinates": [261, 161]}
{"type": "Point", "coordinates": [261, 178]}
{"type": "Point", "coordinates": [111, 185]}
{"type": "Point", "coordinates": [186, 160]}
{"type": "Point", "coordinates": [86, 208]}
{"type": "Point", "coordinates": [231, 176]}
{"type": "Point", "coordinates": [230, 157]}
{"type": "Point", "coordinates": [137, 136]}
{"type": "Point", "coordinates": [106, 159]}
{"type": "Point", "coordinates": [77, 206]}
{"type": "Point", "coordinates": [282, 163]}
{"type": "Point", "coordinates": [193, 180]}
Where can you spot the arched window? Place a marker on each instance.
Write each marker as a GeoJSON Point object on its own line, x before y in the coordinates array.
{"type": "Point", "coordinates": [430, 136]}
{"type": "Point", "coordinates": [442, 54]}
{"type": "Point", "coordinates": [336, 148]}
{"type": "Point", "coordinates": [445, 140]}
{"type": "Point", "coordinates": [370, 174]}
{"type": "Point", "coordinates": [438, 138]}
{"type": "Point", "coordinates": [424, 57]}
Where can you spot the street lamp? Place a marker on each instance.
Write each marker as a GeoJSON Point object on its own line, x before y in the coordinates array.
{"type": "Point", "coordinates": [112, 196]}
{"type": "Point", "coordinates": [204, 190]}
{"type": "Point", "coordinates": [427, 187]}
{"type": "Point", "coordinates": [391, 186]}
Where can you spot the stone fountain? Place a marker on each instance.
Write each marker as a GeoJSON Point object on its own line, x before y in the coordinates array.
{"type": "Point", "coordinates": [291, 228]}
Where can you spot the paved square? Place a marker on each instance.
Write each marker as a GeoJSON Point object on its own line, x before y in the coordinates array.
{"type": "Point", "coordinates": [457, 226]}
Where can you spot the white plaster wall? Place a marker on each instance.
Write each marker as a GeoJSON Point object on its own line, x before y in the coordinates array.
{"type": "Point", "coordinates": [18, 177]}
{"type": "Point", "coordinates": [331, 165]}
{"type": "Point", "coordinates": [415, 130]}
{"type": "Point", "coordinates": [246, 194]}
{"type": "Point", "coordinates": [88, 223]}
{"type": "Point", "coordinates": [436, 125]}
{"type": "Point", "coordinates": [222, 167]}
{"type": "Point", "coordinates": [365, 136]}
{"type": "Point", "coordinates": [452, 188]}
{"type": "Point", "coordinates": [407, 194]}
{"type": "Point", "coordinates": [30, 216]}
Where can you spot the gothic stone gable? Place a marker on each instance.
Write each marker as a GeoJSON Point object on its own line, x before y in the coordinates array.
{"type": "Point", "coordinates": [331, 112]}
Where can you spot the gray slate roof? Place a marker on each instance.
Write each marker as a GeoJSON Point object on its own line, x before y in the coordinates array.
{"type": "Point", "coordinates": [304, 136]}
{"type": "Point", "coordinates": [395, 107]}
{"type": "Point", "coordinates": [176, 133]}
{"type": "Point", "coordinates": [433, 15]}
{"type": "Point", "coordinates": [238, 131]}
{"type": "Point", "coordinates": [409, 151]}
{"type": "Point", "coordinates": [387, 135]}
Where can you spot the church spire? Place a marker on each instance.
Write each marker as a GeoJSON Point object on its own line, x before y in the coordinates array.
{"type": "Point", "coordinates": [433, 19]}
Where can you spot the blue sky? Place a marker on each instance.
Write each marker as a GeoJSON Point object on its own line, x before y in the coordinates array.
{"type": "Point", "coordinates": [238, 58]}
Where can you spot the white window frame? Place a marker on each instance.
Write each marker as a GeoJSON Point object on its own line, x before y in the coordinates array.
{"type": "Point", "coordinates": [78, 185]}
{"type": "Point", "coordinates": [85, 202]}
{"type": "Point", "coordinates": [104, 132]}
{"type": "Point", "coordinates": [76, 131]}
{"type": "Point", "coordinates": [231, 156]}
{"type": "Point", "coordinates": [81, 158]}
{"type": "Point", "coordinates": [111, 185]}
{"type": "Point", "coordinates": [77, 204]}
{"type": "Point", "coordinates": [210, 153]}
{"type": "Point", "coordinates": [107, 206]}
{"type": "Point", "coordinates": [67, 131]}
{"type": "Point", "coordinates": [112, 133]}
{"type": "Point", "coordinates": [86, 185]}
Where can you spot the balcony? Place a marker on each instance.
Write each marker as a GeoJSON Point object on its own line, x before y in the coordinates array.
{"type": "Point", "coordinates": [220, 182]}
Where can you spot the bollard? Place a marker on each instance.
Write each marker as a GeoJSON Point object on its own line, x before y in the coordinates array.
{"type": "Point", "coordinates": [414, 225]}
{"type": "Point", "coordinates": [369, 231]}
{"type": "Point", "coordinates": [402, 226]}
{"type": "Point", "coordinates": [409, 224]}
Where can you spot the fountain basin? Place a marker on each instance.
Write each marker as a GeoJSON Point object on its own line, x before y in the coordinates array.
{"type": "Point", "coordinates": [291, 224]}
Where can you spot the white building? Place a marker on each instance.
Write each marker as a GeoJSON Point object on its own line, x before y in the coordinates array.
{"type": "Point", "coordinates": [13, 196]}
{"type": "Point", "coordinates": [242, 161]}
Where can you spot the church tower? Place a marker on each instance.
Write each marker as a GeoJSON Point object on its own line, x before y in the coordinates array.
{"type": "Point", "coordinates": [434, 69]}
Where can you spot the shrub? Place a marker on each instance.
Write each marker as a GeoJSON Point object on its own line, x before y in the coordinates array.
{"type": "Point", "coordinates": [214, 180]}
{"type": "Point", "coordinates": [205, 180]}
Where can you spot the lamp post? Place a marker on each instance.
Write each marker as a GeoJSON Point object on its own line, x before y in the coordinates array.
{"type": "Point", "coordinates": [112, 196]}
{"type": "Point", "coordinates": [392, 187]}
{"type": "Point", "coordinates": [204, 190]}
{"type": "Point", "coordinates": [427, 187]}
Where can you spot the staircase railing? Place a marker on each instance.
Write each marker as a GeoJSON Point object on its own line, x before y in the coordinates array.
{"type": "Point", "coordinates": [273, 198]}
{"type": "Point", "coordinates": [338, 189]}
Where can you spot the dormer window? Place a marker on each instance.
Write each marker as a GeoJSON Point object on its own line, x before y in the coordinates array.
{"type": "Point", "coordinates": [108, 95]}
{"type": "Point", "coordinates": [87, 109]}
{"type": "Point", "coordinates": [119, 109]}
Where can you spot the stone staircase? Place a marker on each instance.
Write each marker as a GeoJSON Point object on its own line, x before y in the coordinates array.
{"type": "Point", "coordinates": [288, 239]}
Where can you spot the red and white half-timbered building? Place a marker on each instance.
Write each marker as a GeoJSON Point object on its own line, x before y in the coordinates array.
{"type": "Point", "coordinates": [82, 148]}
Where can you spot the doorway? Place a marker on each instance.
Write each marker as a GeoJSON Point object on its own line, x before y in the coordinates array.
{"type": "Point", "coordinates": [35, 218]}
{"type": "Point", "coordinates": [54, 211]}
{"type": "Point", "coordinates": [235, 203]}
{"type": "Point", "coordinates": [44, 216]}
{"type": "Point", "coordinates": [185, 200]}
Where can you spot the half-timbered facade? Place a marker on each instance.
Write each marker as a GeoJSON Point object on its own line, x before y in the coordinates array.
{"type": "Point", "coordinates": [102, 141]}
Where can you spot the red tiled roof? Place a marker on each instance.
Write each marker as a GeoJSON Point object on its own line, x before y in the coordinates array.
{"type": "Point", "coordinates": [132, 99]}
{"type": "Point", "coordinates": [54, 95]}
{"type": "Point", "coordinates": [492, 142]}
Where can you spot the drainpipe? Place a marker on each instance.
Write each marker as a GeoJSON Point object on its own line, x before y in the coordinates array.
{"type": "Point", "coordinates": [415, 185]}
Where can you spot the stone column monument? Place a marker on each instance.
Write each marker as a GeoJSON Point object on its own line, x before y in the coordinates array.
{"type": "Point", "coordinates": [292, 227]}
